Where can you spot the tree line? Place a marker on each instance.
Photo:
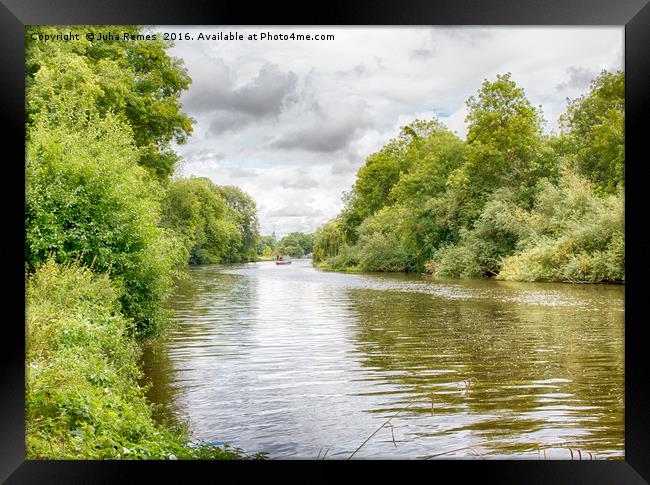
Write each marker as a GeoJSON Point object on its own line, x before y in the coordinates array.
{"type": "Point", "coordinates": [100, 185]}
{"type": "Point", "coordinates": [509, 201]}
{"type": "Point", "coordinates": [108, 226]}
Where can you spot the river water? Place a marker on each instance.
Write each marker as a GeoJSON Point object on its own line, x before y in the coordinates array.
{"type": "Point", "coordinates": [301, 363]}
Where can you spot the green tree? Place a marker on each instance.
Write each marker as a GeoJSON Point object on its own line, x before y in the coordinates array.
{"type": "Point", "coordinates": [505, 141]}
{"type": "Point", "coordinates": [137, 80]}
{"type": "Point", "coordinates": [296, 244]}
{"type": "Point", "coordinates": [328, 239]}
{"type": "Point", "coordinates": [593, 130]}
{"type": "Point", "coordinates": [372, 189]}
{"type": "Point", "coordinates": [266, 245]}
{"type": "Point", "coordinates": [88, 200]}
{"type": "Point", "coordinates": [245, 216]}
{"type": "Point", "coordinates": [196, 211]}
{"type": "Point", "coordinates": [433, 159]}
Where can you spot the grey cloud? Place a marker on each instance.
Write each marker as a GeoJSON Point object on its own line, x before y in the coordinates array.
{"type": "Point", "coordinates": [357, 70]}
{"type": "Point", "coordinates": [469, 35]}
{"type": "Point", "coordinates": [579, 77]}
{"type": "Point", "coordinates": [455, 35]}
{"type": "Point", "coordinates": [423, 53]}
{"type": "Point", "coordinates": [353, 160]}
{"type": "Point", "coordinates": [325, 133]}
{"type": "Point", "coordinates": [342, 167]}
{"type": "Point", "coordinates": [207, 154]}
{"type": "Point", "coordinates": [224, 121]}
{"type": "Point", "coordinates": [264, 95]}
{"type": "Point", "coordinates": [209, 86]}
{"type": "Point", "coordinates": [238, 172]}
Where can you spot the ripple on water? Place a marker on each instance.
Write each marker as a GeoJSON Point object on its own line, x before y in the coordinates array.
{"type": "Point", "coordinates": [294, 361]}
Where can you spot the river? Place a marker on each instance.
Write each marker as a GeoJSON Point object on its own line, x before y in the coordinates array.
{"type": "Point", "coordinates": [301, 363]}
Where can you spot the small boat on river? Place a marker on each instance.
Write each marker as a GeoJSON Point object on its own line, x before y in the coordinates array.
{"type": "Point", "coordinates": [282, 260]}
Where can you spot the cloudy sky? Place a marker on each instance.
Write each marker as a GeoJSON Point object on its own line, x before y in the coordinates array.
{"type": "Point", "coordinates": [291, 122]}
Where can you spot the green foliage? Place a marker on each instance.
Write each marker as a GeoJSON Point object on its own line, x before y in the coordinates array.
{"type": "Point", "coordinates": [500, 203]}
{"type": "Point", "coordinates": [296, 244]}
{"type": "Point", "coordinates": [83, 400]}
{"type": "Point", "coordinates": [571, 234]}
{"type": "Point", "coordinates": [136, 80]}
{"type": "Point", "coordinates": [382, 170]}
{"type": "Point", "coordinates": [266, 245]}
{"type": "Point", "coordinates": [433, 159]}
{"type": "Point", "coordinates": [347, 259]}
{"type": "Point", "coordinates": [505, 142]}
{"type": "Point", "coordinates": [328, 240]}
{"type": "Point", "coordinates": [196, 211]}
{"type": "Point", "coordinates": [88, 200]}
{"type": "Point", "coordinates": [480, 250]}
{"type": "Point", "coordinates": [243, 210]}
{"type": "Point", "coordinates": [593, 131]}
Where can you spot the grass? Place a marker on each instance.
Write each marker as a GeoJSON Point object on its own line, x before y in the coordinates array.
{"type": "Point", "coordinates": [83, 400]}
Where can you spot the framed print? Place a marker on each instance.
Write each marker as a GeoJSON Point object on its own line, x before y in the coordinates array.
{"type": "Point", "coordinates": [386, 236]}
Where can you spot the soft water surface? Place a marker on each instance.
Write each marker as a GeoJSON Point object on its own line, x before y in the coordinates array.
{"type": "Point", "coordinates": [295, 362]}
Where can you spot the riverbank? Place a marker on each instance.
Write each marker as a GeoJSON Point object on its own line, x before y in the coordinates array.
{"type": "Point", "coordinates": [325, 266]}
{"type": "Point", "coordinates": [82, 396]}
{"type": "Point", "coordinates": [512, 203]}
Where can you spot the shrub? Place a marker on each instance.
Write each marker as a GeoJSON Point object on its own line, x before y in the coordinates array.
{"type": "Point", "coordinates": [83, 400]}
{"type": "Point", "coordinates": [572, 234]}
{"type": "Point", "coordinates": [481, 249]}
{"type": "Point", "coordinates": [88, 200]}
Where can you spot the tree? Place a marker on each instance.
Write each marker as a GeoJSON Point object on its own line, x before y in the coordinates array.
{"type": "Point", "coordinates": [196, 211]}
{"type": "Point", "coordinates": [382, 170]}
{"type": "Point", "coordinates": [296, 244]}
{"type": "Point", "coordinates": [135, 79]}
{"type": "Point", "coordinates": [593, 130]}
{"type": "Point", "coordinates": [245, 217]}
{"type": "Point", "coordinates": [328, 239]}
{"type": "Point", "coordinates": [433, 160]}
{"type": "Point", "coordinates": [504, 139]}
{"type": "Point", "coordinates": [266, 245]}
{"type": "Point", "coordinates": [88, 200]}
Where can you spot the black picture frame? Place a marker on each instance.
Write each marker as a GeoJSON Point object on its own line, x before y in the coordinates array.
{"type": "Point", "coordinates": [633, 14]}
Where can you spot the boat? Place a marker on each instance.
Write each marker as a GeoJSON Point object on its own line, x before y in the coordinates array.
{"type": "Point", "coordinates": [281, 260]}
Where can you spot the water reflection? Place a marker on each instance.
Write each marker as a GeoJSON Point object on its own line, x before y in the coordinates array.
{"type": "Point", "coordinates": [294, 361]}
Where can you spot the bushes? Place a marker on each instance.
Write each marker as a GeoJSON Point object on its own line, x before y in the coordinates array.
{"type": "Point", "coordinates": [83, 400]}
{"type": "Point", "coordinates": [347, 259]}
{"type": "Point", "coordinates": [509, 201]}
{"type": "Point", "coordinates": [480, 250]}
{"type": "Point", "coordinates": [88, 200]}
{"type": "Point", "coordinates": [571, 234]}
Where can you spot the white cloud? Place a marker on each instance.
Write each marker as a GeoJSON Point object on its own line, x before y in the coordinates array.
{"type": "Point", "coordinates": [291, 122]}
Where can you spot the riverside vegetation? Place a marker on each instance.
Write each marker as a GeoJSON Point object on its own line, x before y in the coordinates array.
{"type": "Point", "coordinates": [107, 229]}
{"type": "Point", "coordinates": [508, 202]}
{"type": "Point", "coordinates": [109, 225]}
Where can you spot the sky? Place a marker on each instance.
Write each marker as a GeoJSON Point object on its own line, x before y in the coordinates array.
{"type": "Point", "coordinates": [291, 121]}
